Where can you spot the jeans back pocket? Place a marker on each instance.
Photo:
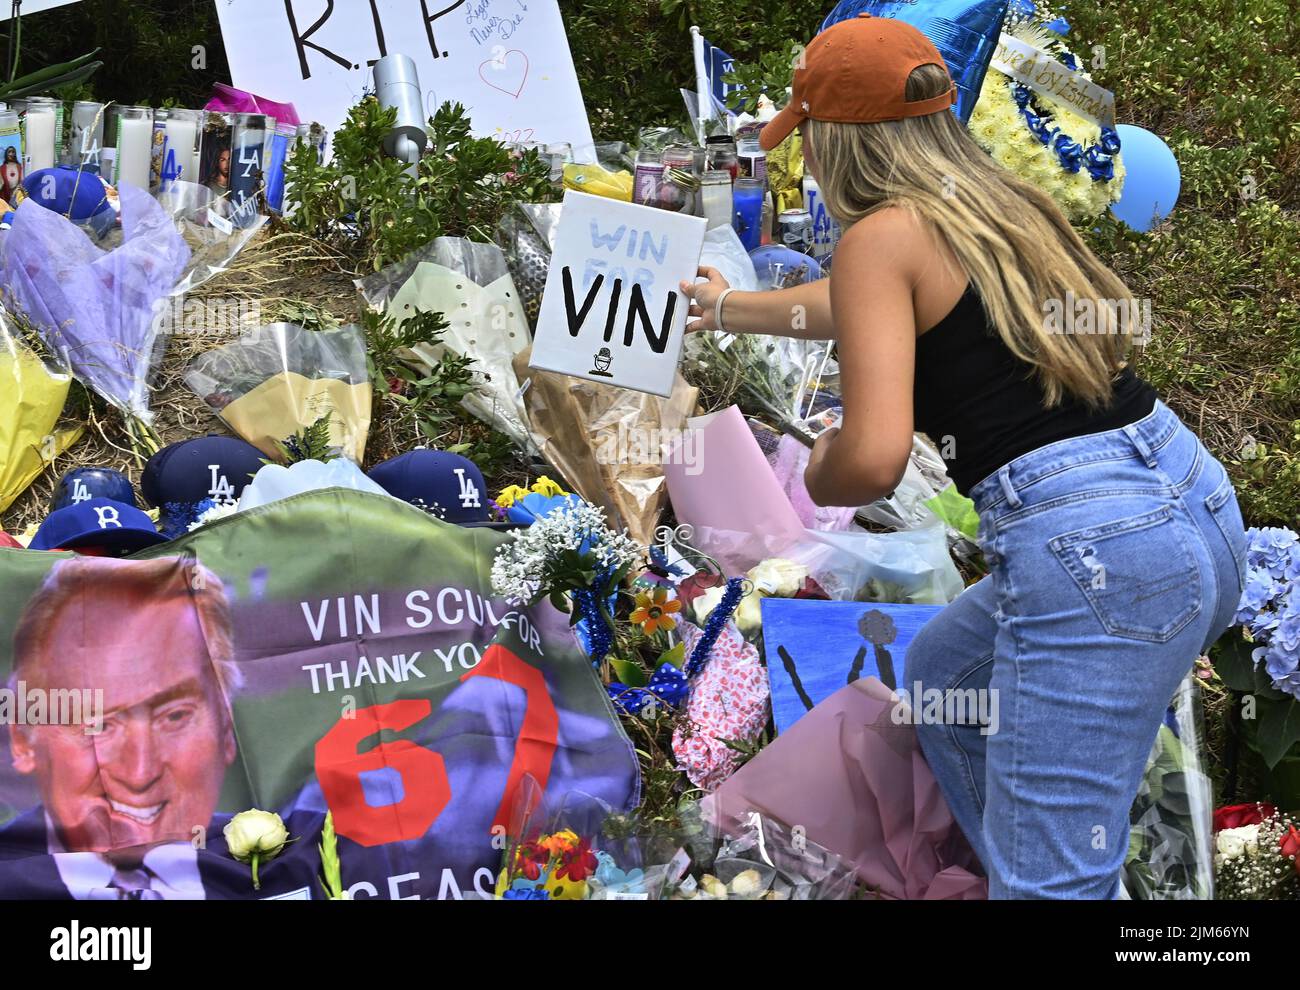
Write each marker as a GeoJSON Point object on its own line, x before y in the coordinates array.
{"type": "Point", "coordinates": [1138, 574]}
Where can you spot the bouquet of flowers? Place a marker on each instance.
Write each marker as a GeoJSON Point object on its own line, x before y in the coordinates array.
{"type": "Point", "coordinates": [1255, 854]}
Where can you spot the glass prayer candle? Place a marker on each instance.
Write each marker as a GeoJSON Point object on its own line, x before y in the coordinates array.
{"type": "Point", "coordinates": [39, 126]}
{"type": "Point", "coordinates": [247, 162]}
{"type": "Point", "coordinates": [86, 141]}
{"type": "Point", "coordinates": [715, 198]}
{"type": "Point", "coordinates": [134, 146]}
{"type": "Point", "coordinates": [175, 147]}
{"type": "Point", "coordinates": [747, 211]}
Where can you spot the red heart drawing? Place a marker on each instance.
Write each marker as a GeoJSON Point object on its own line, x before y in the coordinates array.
{"type": "Point", "coordinates": [504, 79]}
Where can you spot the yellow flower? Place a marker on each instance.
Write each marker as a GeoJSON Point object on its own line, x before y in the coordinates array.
{"type": "Point", "coordinates": [509, 496]}
{"type": "Point", "coordinates": [653, 610]}
{"type": "Point", "coordinates": [545, 486]}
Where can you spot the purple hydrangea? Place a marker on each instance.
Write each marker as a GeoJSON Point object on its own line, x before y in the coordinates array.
{"type": "Point", "coordinates": [1270, 604]}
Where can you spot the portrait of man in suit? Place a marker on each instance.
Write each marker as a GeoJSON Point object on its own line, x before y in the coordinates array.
{"type": "Point", "coordinates": [124, 800]}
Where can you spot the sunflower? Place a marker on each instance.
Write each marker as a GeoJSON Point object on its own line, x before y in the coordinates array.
{"type": "Point", "coordinates": [654, 610]}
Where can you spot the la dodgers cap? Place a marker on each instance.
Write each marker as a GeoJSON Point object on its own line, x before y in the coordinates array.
{"type": "Point", "coordinates": [84, 483]}
{"type": "Point", "coordinates": [446, 485]}
{"type": "Point", "coordinates": [97, 522]}
{"type": "Point", "coordinates": [189, 471]}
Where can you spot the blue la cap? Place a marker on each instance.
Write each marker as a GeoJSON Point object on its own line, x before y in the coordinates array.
{"type": "Point", "coordinates": [443, 484]}
{"type": "Point", "coordinates": [188, 472]}
{"type": "Point", "coordinates": [84, 483]}
{"type": "Point", "coordinates": [73, 192]}
{"type": "Point", "coordinates": [97, 522]}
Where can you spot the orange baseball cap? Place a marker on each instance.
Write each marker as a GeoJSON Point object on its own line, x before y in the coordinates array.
{"type": "Point", "coordinates": [855, 72]}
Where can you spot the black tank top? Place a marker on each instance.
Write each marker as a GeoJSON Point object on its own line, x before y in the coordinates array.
{"type": "Point", "coordinates": [982, 407]}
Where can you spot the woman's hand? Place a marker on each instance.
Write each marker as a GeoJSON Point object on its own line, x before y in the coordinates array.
{"type": "Point", "coordinates": [704, 298]}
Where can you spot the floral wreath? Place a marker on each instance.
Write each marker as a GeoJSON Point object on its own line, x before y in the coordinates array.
{"type": "Point", "coordinates": [1067, 156]}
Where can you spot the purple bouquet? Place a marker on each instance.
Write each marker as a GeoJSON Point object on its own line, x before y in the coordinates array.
{"type": "Point", "coordinates": [96, 310]}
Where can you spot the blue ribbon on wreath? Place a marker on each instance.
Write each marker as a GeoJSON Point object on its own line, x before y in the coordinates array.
{"type": "Point", "coordinates": [1097, 158]}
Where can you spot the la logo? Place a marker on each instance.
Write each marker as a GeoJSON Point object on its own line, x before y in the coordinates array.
{"type": "Point", "coordinates": [79, 491]}
{"type": "Point", "coordinates": [221, 490]}
{"type": "Point", "coordinates": [107, 516]}
{"type": "Point", "coordinates": [468, 491]}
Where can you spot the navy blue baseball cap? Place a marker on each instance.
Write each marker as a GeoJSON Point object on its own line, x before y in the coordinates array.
{"type": "Point", "coordinates": [84, 483]}
{"type": "Point", "coordinates": [73, 192]}
{"type": "Point", "coordinates": [443, 484]}
{"type": "Point", "coordinates": [97, 522]}
{"type": "Point", "coordinates": [189, 471]}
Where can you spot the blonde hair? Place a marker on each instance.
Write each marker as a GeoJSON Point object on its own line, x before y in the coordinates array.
{"type": "Point", "coordinates": [1010, 238]}
{"type": "Point", "coordinates": [151, 582]}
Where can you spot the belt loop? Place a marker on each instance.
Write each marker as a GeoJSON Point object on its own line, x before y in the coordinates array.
{"type": "Point", "coordinates": [1004, 479]}
{"type": "Point", "coordinates": [1140, 443]}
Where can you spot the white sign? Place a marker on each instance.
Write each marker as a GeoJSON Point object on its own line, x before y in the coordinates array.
{"type": "Point", "coordinates": [32, 7]}
{"type": "Point", "coordinates": [507, 61]}
{"type": "Point", "coordinates": [612, 311]}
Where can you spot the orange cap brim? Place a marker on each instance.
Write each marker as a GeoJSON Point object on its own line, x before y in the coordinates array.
{"type": "Point", "coordinates": [779, 127]}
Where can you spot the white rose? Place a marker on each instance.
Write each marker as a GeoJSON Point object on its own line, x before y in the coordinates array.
{"type": "Point", "coordinates": [1250, 838]}
{"type": "Point", "coordinates": [778, 577]}
{"type": "Point", "coordinates": [1230, 843]}
{"type": "Point", "coordinates": [749, 614]}
{"type": "Point", "coordinates": [747, 884]}
{"type": "Point", "coordinates": [714, 887]}
{"type": "Point", "coordinates": [255, 833]}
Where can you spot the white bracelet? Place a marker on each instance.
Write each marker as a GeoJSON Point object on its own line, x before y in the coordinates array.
{"type": "Point", "coordinates": [717, 307]}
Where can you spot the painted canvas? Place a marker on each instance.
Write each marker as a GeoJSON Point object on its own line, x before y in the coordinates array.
{"type": "Point", "coordinates": [813, 648]}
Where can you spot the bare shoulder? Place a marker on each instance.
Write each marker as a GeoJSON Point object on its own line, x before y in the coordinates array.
{"type": "Point", "coordinates": [893, 238]}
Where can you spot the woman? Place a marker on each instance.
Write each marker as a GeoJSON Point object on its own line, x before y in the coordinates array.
{"type": "Point", "coordinates": [1114, 541]}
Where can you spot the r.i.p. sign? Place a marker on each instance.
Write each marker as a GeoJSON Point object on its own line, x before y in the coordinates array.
{"type": "Point", "coordinates": [612, 311]}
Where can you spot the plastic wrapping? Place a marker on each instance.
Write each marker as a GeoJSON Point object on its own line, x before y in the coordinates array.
{"type": "Point", "coordinates": [275, 481]}
{"type": "Point", "coordinates": [280, 379]}
{"type": "Point", "coordinates": [850, 778]}
{"type": "Point", "coordinates": [527, 236]}
{"type": "Point", "coordinates": [213, 243]}
{"type": "Point", "coordinates": [31, 400]}
{"type": "Point", "coordinates": [599, 181]}
{"type": "Point", "coordinates": [1171, 838]}
{"type": "Point", "coordinates": [96, 309]}
{"type": "Point", "coordinates": [470, 284]}
{"type": "Point", "coordinates": [606, 441]}
{"type": "Point", "coordinates": [758, 858]}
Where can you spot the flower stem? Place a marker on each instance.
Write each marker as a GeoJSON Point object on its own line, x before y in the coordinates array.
{"type": "Point", "coordinates": [257, 884]}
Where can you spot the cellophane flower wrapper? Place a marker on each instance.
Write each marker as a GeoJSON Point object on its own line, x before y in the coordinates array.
{"type": "Point", "coordinates": [212, 247]}
{"type": "Point", "coordinates": [757, 857]}
{"type": "Point", "coordinates": [470, 284]}
{"type": "Point", "coordinates": [526, 234]}
{"type": "Point", "coordinates": [31, 400]}
{"type": "Point", "coordinates": [1171, 838]}
{"type": "Point", "coordinates": [96, 310]}
{"type": "Point", "coordinates": [562, 847]}
{"type": "Point", "coordinates": [851, 776]}
{"type": "Point", "coordinates": [277, 380]}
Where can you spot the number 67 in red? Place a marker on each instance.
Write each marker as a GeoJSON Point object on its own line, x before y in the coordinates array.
{"type": "Point", "coordinates": [426, 790]}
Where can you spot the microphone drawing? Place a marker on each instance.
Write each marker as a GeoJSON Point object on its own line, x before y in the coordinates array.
{"type": "Point", "coordinates": [602, 360]}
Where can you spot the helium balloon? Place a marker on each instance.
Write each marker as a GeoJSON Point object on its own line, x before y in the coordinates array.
{"type": "Point", "coordinates": [966, 33]}
{"type": "Point", "coordinates": [1152, 180]}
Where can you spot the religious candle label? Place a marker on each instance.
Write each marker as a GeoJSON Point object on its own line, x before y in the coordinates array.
{"type": "Point", "coordinates": [612, 311]}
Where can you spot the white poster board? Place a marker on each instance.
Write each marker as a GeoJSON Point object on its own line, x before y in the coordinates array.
{"type": "Point", "coordinates": [507, 61]}
{"type": "Point", "coordinates": [612, 311]}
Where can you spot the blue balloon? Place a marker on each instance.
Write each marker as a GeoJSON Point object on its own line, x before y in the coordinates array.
{"type": "Point", "coordinates": [965, 32]}
{"type": "Point", "coordinates": [1152, 182]}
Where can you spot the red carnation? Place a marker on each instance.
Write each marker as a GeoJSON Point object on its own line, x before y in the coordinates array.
{"type": "Point", "coordinates": [1238, 815]}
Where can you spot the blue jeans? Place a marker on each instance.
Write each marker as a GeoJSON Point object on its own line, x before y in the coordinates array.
{"type": "Point", "coordinates": [1115, 559]}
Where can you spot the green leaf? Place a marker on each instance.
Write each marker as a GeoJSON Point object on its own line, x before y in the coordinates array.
{"type": "Point", "coordinates": [1232, 661]}
{"type": "Point", "coordinates": [628, 672]}
{"type": "Point", "coordinates": [1278, 731]}
{"type": "Point", "coordinates": [675, 656]}
{"type": "Point", "coordinates": [560, 600]}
